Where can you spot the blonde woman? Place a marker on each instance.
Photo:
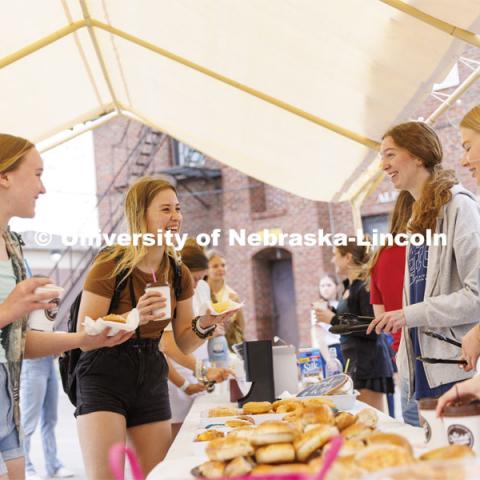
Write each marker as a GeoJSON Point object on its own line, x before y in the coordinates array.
{"type": "Point", "coordinates": [122, 392]}
{"type": "Point", "coordinates": [220, 292]}
{"type": "Point", "coordinates": [21, 169]}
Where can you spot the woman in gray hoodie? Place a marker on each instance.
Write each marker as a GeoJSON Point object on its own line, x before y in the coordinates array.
{"type": "Point", "coordinates": [441, 288]}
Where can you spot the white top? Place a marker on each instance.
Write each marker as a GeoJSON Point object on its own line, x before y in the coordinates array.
{"type": "Point", "coordinates": [7, 284]}
{"type": "Point", "coordinates": [320, 330]}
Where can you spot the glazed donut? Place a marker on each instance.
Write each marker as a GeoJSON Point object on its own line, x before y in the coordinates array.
{"type": "Point", "coordinates": [276, 404]}
{"type": "Point", "coordinates": [255, 408]}
{"type": "Point", "coordinates": [222, 449]}
{"type": "Point", "coordinates": [295, 408]}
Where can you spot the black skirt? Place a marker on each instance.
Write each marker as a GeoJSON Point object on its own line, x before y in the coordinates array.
{"type": "Point", "coordinates": [380, 385]}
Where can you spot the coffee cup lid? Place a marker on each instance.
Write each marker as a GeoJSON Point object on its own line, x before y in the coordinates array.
{"type": "Point", "coordinates": [465, 410]}
{"type": "Point", "coordinates": [428, 403]}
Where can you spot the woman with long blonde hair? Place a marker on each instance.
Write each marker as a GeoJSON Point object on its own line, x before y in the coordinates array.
{"type": "Point", "coordinates": [21, 169]}
{"type": "Point", "coordinates": [122, 392]}
{"type": "Point", "coordinates": [441, 287]}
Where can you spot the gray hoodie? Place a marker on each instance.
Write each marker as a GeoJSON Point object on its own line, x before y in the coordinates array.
{"type": "Point", "coordinates": [451, 306]}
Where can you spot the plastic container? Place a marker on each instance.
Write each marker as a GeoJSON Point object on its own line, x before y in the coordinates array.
{"type": "Point", "coordinates": [218, 351]}
{"type": "Point", "coordinates": [333, 366]}
{"type": "Point", "coordinates": [434, 428]}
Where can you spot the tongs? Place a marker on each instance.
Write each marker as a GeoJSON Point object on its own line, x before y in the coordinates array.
{"type": "Point", "coordinates": [350, 323]}
{"type": "Point", "coordinates": [451, 341]}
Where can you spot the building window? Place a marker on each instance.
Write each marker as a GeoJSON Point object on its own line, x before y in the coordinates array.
{"type": "Point", "coordinates": [258, 197]}
{"type": "Point", "coordinates": [379, 223]}
{"type": "Point", "coordinates": [186, 156]}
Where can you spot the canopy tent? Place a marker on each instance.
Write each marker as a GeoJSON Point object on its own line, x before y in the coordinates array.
{"type": "Point", "coordinates": [295, 93]}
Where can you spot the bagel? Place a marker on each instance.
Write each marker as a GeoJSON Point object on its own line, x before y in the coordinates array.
{"type": "Point", "coordinates": [208, 436]}
{"type": "Point", "coordinates": [237, 422]}
{"type": "Point", "coordinates": [223, 412]}
{"type": "Point", "coordinates": [378, 457]}
{"type": "Point", "coordinates": [313, 440]}
{"type": "Point", "coordinates": [368, 417]}
{"type": "Point", "coordinates": [272, 432]}
{"type": "Point", "coordinates": [316, 401]}
{"type": "Point", "coordinates": [450, 452]}
{"type": "Point", "coordinates": [238, 467]}
{"type": "Point", "coordinates": [358, 431]}
{"type": "Point", "coordinates": [242, 432]}
{"type": "Point", "coordinates": [381, 438]}
{"type": "Point", "coordinates": [319, 414]}
{"type": "Point", "coordinates": [255, 408]}
{"type": "Point", "coordinates": [276, 453]}
{"type": "Point", "coordinates": [294, 408]}
{"type": "Point", "coordinates": [222, 449]}
{"type": "Point", "coordinates": [211, 469]}
{"type": "Point", "coordinates": [344, 420]}
{"type": "Point", "coordinates": [280, 469]}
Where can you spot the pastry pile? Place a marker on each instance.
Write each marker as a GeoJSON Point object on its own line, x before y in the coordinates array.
{"type": "Point", "coordinates": [299, 441]}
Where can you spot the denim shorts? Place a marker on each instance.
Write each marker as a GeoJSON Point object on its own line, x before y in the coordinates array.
{"type": "Point", "coordinates": [129, 379]}
{"type": "Point", "coordinates": [10, 445]}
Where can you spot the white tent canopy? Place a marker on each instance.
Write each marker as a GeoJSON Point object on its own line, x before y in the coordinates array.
{"type": "Point", "coordinates": [296, 93]}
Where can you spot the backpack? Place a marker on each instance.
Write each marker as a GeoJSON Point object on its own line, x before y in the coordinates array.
{"type": "Point", "coordinates": [68, 360]}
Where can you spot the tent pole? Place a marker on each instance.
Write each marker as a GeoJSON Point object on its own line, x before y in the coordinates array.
{"type": "Point", "coordinates": [89, 23]}
{"type": "Point", "coordinates": [446, 27]}
{"type": "Point", "coordinates": [39, 44]}
{"type": "Point", "coordinates": [233, 83]}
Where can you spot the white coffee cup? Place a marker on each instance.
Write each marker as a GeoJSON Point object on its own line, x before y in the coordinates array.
{"type": "Point", "coordinates": [435, 433]}
{"type": "Point", "coordinates": [43, 320]}
{"type": "Point", "coordinates": [164, 289]}
{"type": "Point", "coordinates": [462, 425]}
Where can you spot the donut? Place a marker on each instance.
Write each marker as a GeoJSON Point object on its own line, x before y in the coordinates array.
{"type": "Point", "coordinates": [255, 408]}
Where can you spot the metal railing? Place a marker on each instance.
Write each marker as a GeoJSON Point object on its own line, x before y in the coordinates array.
{"type": "Point", "coordinates": [72, 265]}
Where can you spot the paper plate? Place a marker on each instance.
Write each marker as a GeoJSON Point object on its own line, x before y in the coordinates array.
{"type": "Point", "coordinates": [94, 327]}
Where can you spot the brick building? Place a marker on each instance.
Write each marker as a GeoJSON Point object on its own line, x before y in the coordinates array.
{"type": "Point", "coordinates": [276, 284]}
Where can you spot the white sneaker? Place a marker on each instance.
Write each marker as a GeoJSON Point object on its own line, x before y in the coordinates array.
{"type": "Point", "coordinates": [63, 472]}
{"type": "Point", "coordinates": [33, 476]}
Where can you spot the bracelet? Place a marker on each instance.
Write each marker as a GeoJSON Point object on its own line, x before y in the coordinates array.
{"type": "Point", "coordinates": [185, 385]}
{"type": "Point", "coordinates": [200, 332]}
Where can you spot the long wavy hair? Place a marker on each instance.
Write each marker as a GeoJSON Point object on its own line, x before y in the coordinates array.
{"type": "Point", "coordinates": [402, 211]}
{"type": "Point", "coordinates": [421, 141]}
{"type": "Point", "coordinates": [360, 254]}
{"type": "Point", "coordinates": [472, 119]}
{"type": "Point", "coordinates": [12, 151]}
{"type": "Point", "coordinates": [139, 197]}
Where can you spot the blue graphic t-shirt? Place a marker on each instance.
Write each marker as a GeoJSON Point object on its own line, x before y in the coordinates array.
{"type": "Point", "coordinates": [417, 272]}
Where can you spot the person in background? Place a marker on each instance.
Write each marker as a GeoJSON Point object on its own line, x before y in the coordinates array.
{"type": "Point", "coordinates": [183, 383]}
{"type": "Point", "coordinates": [39, 401]}
{"type": "Point", "coordinates": [21, 169]}
{"type": "Point", "coordinates": [320, 334]}
{"type": "Point", "coordinates": [442, 290]}
{"type": "Point", "coordinates": [221, 292]}
{"type": "Point", "coordinates": [470, 133]}
{"type": "Point", "coordinates": [370, 363]}
{"type": "Point", "coordinates": [387, 270]}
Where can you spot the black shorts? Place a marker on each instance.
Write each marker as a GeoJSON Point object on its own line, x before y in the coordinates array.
{"type": "Point", "coordinates": [129, 379]}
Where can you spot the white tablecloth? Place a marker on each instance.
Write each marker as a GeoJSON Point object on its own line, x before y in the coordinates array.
{"type": "Point", "coordinates": [182, 456]}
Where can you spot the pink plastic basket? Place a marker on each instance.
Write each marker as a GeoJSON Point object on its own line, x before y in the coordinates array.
{"type": "Point", "coordinates": [116, 459]}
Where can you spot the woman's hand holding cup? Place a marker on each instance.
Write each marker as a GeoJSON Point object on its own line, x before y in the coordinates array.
{"type": "Point", "coordinates": [150, 306]}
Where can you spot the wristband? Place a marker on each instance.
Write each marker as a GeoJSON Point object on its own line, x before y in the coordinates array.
{"type": "Point", "coordinates": [200, 332]}
{"type": "Point", "coordinates": [185, 385]}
